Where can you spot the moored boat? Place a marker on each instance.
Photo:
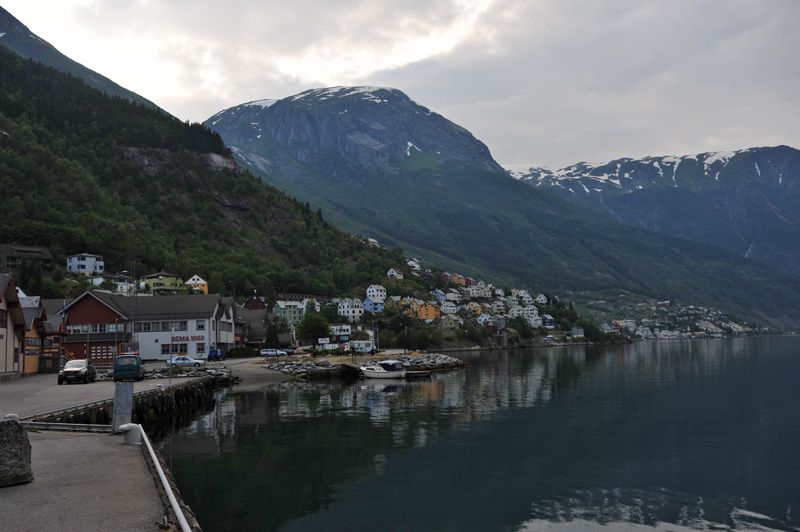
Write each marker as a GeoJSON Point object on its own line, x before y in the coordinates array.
{"type": "Point", "coordinates": [385, 369]}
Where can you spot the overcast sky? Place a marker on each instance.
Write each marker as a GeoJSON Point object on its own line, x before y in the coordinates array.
{"type": "Point", "coordinates": [541, 82]}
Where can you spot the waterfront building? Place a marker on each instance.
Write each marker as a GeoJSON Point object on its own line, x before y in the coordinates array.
{"type": "Point", "coordinates": [12, 328]}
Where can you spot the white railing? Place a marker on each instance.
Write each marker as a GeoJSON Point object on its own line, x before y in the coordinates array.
{"type": "Point", "coordinates": [133, 434]}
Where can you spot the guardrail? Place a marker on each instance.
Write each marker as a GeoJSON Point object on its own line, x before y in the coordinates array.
{"type": "Point", "coordinates": [131, 438]}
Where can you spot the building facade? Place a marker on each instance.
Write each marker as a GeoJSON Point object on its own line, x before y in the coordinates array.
{"type": "Point", "coordinates": [87, 264]}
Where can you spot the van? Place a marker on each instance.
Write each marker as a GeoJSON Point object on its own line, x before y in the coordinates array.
{"type": "Point", "coordinates": [128, 366]}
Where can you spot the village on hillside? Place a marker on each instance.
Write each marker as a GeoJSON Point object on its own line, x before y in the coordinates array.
{"type": "Point", "coordinates": [163, 315]}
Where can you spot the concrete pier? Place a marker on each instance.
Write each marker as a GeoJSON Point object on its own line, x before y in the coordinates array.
{"type": "Point", "coordinates": [83, 482]}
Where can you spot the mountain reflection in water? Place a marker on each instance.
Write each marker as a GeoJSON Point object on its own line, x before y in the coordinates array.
{"type": "Point", "coordinates": [689, 434]}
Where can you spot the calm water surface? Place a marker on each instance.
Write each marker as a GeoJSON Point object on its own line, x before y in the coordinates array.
{"type": "Point", "coordinates": [670, 435]}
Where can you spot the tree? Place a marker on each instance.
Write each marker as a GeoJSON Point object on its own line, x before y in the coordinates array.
{"type": "Point", "coordinates": [360, 335]}
{"type": "Point", "coordinates": [313, 326]}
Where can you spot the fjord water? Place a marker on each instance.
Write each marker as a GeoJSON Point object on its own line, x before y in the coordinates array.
{"type": "Point", "coordinates": [656, 435]}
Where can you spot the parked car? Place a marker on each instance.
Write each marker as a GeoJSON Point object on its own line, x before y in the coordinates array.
{"type": "Point", "coordinates": [77, 371]}
{"type": "Point", "coordinates": [215, 354]}
{"type": "Point", "coordinates": [184, 361]}
{"type": "Point", "coordinates": [128, 366]}
{"type": "Point", "coordinates": [272, 353]}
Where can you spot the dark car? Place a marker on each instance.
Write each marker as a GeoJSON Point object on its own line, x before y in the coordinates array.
{"type": "Point", "coordinates": [128, 366]}
{"type": "Point", "coordinates": [77, 371]}
{"type": "Point", "coordinates": [216, 354]}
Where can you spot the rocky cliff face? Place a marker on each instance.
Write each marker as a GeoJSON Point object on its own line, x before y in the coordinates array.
{"type": "Point", "coordinates": [745, 201]}
{"type": "Point", "coordinates": [374, 128]}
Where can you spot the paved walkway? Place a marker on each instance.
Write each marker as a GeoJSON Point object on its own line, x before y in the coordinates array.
{"type": "Point", "coordinates": [83, 482]}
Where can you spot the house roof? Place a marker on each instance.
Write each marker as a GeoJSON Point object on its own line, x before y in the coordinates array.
{"type": "Point", "coordinates": [161, 274]}
{"type": "Point", "coordinates": [32, 314]}
{"type": "Point", "coordinates": [8, 292]}
{"type": "Point", "coordinates": [11, 250]}
{"type": "Point", "coordinates": [150, 307]}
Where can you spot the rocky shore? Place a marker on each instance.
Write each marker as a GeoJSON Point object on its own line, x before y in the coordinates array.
{"type": "Point", "coordinates": [323, 367]}
{"type": "Point", "coordinates": [219, 371]}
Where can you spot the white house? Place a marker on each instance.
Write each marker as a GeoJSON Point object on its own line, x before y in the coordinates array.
{"type": "Point", "coordinates": [541, 299]}
{"type": "Point", "coordinates": [414, 264]}
{"type": "Point", "coordinates": [352, 309]}
{"type": "Point", "coordinates": [515, 311]}
{"type": "Point", "coordinates": [394, 272]}
{"type": "Point", "coordinates": [525, 297]}
{"type": "Point", "coordinates": [448, 307]}
{"type": "Point", "coordinates": [86, 264]}
{"type": "Point", "coordinates": [498, 307]}
{"type": "Point", "coordinates": [453, 296]}
{"type": "Point", "coordinates": [530, 312]}
{"type": "Point", "coordinates": [376, 292]}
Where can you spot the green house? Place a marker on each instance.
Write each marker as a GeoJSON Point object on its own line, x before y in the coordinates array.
{"type": "Point", "coordinates": [163, 283]}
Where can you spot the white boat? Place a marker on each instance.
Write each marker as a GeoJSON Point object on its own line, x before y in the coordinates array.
{"type": "Point", "coordinates": [385, 369]}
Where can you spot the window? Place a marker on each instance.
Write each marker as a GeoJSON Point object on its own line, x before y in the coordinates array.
{"type": "Point", "coordinates": [173, 349]}
{"type": "Point", "coordinates": [3, 319]}
{"type": "Point", "coordinates": [201, 325]}
{"type": "Point", "coordinates": [200, 349]}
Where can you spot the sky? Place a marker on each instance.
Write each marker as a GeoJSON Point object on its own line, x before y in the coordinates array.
{"type": "Point", "coordinates": [540, 82]}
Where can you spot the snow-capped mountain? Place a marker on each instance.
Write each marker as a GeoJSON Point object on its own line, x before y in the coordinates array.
{"type": "Point", "coordinates": [747, 201]}
{"type": "Point", "coordinates": [378, 127]}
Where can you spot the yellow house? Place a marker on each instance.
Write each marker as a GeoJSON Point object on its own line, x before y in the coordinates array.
{"type": "Point", "coordinates": [475, 308]}
{"type": "Point", "coordinates": [197, 284]}
{"type": "Point", "coordinates": [412, 304]}
{"type": "Point", "coordinates": [458, 279]}
{"type": "Point", "coordinates": [35, 335]}
{"type": "Point", "coordinates": [428, 311]}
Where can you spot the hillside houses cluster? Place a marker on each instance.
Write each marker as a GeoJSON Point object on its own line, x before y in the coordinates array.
{"type": "Point", "coordinates": [469, 300]}
{"type": "Point", "coordinates": [666, 320]}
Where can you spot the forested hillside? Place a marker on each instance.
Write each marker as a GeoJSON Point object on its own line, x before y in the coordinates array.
{"type": "Point", "coordinates": [82, 172]}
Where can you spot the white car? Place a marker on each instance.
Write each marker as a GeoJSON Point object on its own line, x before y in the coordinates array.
{"type": "Point", "coordinates": [184, 361]}
{"type": "Point", "coordinates": [272, 353]}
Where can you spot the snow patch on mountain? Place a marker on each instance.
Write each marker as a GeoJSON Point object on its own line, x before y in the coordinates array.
{"type": "Point", "coordinates": [261, 103]}
{"type": "Point", "coordinates": [408, 149]}
{"type": "Point", "coordinates": [368, 93]}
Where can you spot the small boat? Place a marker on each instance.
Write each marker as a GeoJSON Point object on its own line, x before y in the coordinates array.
{"type": "Point", "coordinates": [385, 369]}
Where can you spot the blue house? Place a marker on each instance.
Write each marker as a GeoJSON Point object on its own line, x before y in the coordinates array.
{"type": "Point", "coordinates": [373, 305]}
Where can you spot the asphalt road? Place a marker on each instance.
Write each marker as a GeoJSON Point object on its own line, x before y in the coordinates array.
{"type": "Point", "coordinates": [40, 392]}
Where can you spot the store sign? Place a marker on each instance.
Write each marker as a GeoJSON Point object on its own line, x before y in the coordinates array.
{"type": "Point", "coordinates": [323, 341]}
{"type": "Point", "coordinates": [194, 338]}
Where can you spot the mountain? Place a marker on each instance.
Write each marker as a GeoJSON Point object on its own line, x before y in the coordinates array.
{"type": "Point", "coordinates": [17, 37]}
{"type": "Point", "coordinates": [83, 172]}
{"type": "Point", "coordinates": [379, 164]}
{"type": "Point", "coordinates": [747, 202]}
